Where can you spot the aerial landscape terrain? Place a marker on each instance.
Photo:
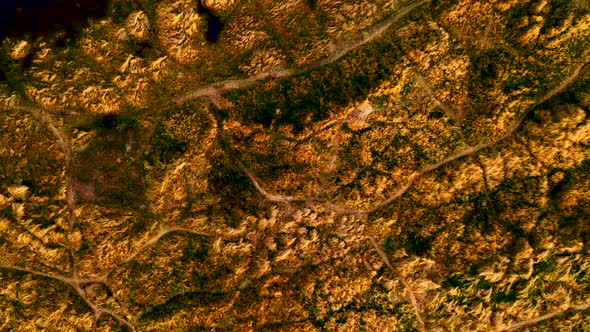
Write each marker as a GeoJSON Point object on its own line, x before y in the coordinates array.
{"type": "Point", "coordinates": [295, 165]}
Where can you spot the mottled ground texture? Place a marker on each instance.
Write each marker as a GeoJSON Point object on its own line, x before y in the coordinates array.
{"type": "Point", "coordinates": [326, 165]}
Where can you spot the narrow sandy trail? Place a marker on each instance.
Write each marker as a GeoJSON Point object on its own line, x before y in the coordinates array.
{"type": "Point", "coordinates": [164, 230]}
{"type": "Point", "coordinates": [474, 149]}
{"type": "Point", "coordinates": [422, 82]}
{"type": "Point", "coordinates": [211, 92]}
{"type": "Point", "coordinates": [214, 90]}
{"type": "Point", "coordinates": [411, 294]}
{"type": "Point", "coordinates": [266, 194]}
{"type": "Point", "coordinates": [340, 209]}
{"type": "Point", "coordinates": [76, 284]}
{"type": "Point", "coordinates": [533, 321]}
{"type": "Point", "coordinates": [368, 36]}
{"type": "Point", "coordinates": [61, 278]}
{"type": "Point", "coordinates": [64, 144]}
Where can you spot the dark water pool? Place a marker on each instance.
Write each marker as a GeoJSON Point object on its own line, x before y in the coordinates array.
{"type": "Point", "coordinates": [214, 25]}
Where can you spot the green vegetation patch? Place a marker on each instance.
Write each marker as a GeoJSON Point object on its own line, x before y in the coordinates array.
{"type": "Point", "coordinates": [164, 148]}
{"type": "Point", "coordinates": [309, 97]}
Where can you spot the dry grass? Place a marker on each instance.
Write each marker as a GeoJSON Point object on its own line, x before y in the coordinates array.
{"type": "Point", "coordinates": [442, 198]}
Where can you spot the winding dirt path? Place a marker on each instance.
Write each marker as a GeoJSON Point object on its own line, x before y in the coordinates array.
{"type": "Point", "coordinates": [533, 321]}
{"type": "Point", "coordinates": [266, 194]}
{"type": "Point", "coordinates": [474, 149]}
{"type": "Point", "coordinates": [464, 153]}
{"type": "Point", "coordinates": [368, 36]}
{"type": "Point", "coordinates": [214, 90]}
{"type": "Point", "coordinates": [63, 141]}
{"type": "Point", "coordinates": [411, 295]}
{"type": "Point", "coordinates": [164, 230]}
{"type": "Point", "coordinates": [76, 284]}
{"type": "Point", "coordinates": [446, 108]}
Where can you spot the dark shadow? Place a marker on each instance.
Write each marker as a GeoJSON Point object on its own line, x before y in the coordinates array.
{"type": "Point", "coordinates": [214, 25]}
{"type": "Point", "coordinates": [109, 121]}
{"type": "Point", "coordinates": [36, 18]}
{"type": "Point", "coordinates": [107, 170]}
{"type": "Point", "coordinates": [142, 49]}
{"type": "Point", "coordinates": [63, 20]}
